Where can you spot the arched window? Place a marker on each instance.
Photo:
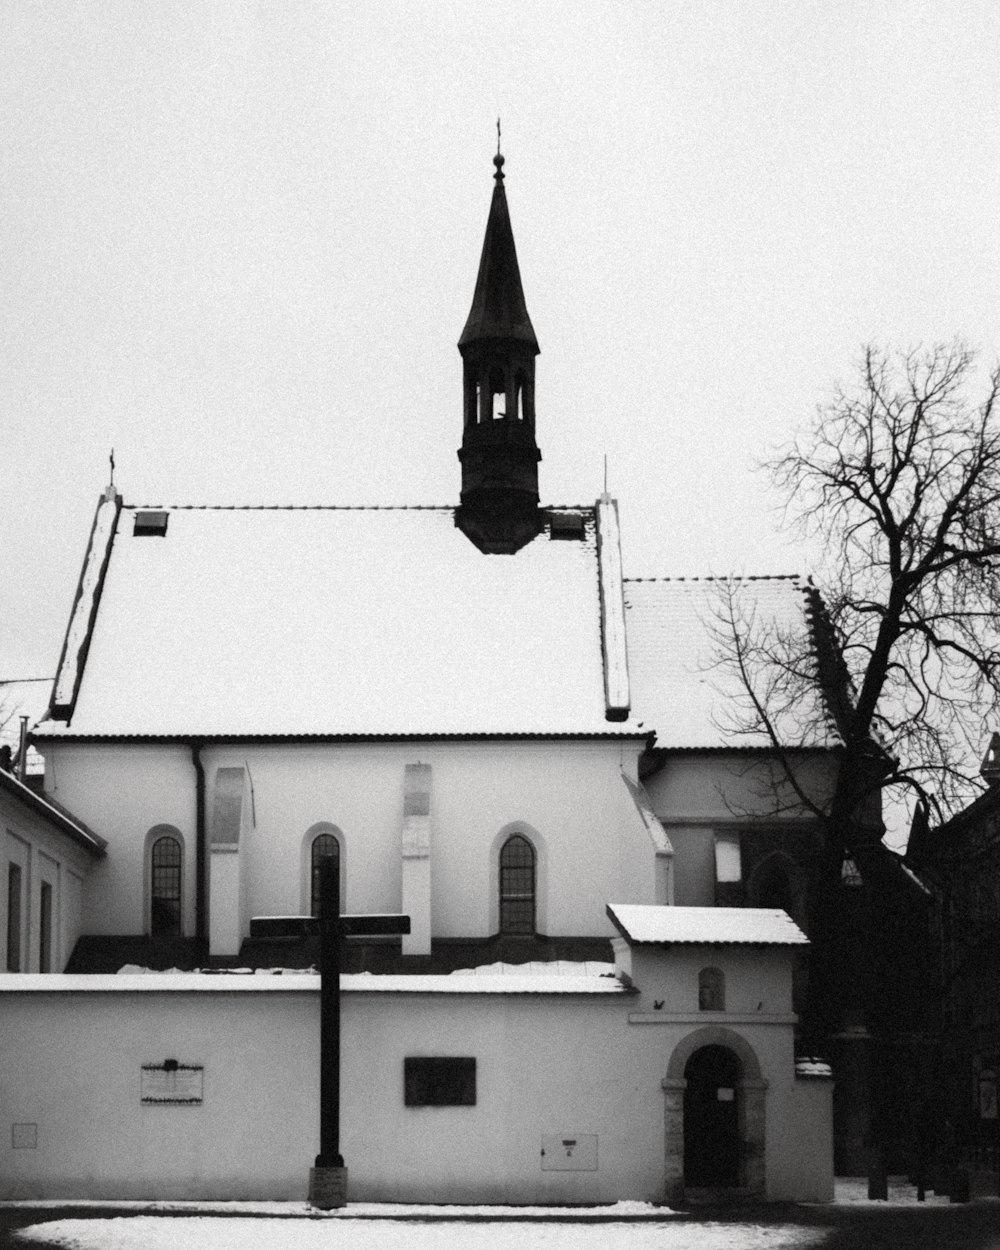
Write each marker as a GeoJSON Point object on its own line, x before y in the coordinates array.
{"type": "Point", "coordinates": [517, 885]}
{"type": "Point", "coordinates": [711, 990]}
{"type": "Point", "coordinates": [325, 846]}
{"type": "Point", "coordinates": [165, 888]}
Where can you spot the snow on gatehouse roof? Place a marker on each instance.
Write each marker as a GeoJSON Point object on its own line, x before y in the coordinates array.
{"type": "Point", "coordinates": [331, 621]}
{"type": "Point", "coordinates": [644, 925]}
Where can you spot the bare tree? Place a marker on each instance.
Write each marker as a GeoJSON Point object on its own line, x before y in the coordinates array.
{"type": "Point", "coordinates": [897, 483]}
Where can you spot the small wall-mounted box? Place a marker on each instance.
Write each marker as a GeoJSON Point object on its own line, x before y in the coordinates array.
{"type": "Point", "coordinates": [24, 1136]}
{"type": "Point", "coordinates": [569, 1152]}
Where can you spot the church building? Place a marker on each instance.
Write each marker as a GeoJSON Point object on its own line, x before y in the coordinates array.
{"type": "Point", "coordinates": [486, 725]}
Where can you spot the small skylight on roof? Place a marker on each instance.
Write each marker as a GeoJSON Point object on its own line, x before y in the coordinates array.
{"type": "Point", "coordinates": [150, 525]}
{"type": "Point", "coordinates": [566, 525]}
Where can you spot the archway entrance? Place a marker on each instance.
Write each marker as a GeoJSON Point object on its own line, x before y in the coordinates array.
{"type": "Point", "coordinates": [711, 1119]}
{"type": "Point", "coordinates": [710, 1060]}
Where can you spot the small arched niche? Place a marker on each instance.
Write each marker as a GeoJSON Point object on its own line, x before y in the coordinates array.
{"type": "Point", "coordinates": [711, 990]}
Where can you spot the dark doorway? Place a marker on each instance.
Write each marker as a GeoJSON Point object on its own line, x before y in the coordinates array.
{"type": "Point", "coordinates": [711, 1119]}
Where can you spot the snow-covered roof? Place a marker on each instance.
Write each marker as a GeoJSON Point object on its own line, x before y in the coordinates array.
{"type": "Point", "coordinates": [812, 1068]}
{"type": "Point", "coordinates": [336, 622]}
{"type": "Point", "coordinates": [541, 968]}
{"type": "Point", "coordinates": [645, 924]}
{"type": "Point", "coordinates": [680, 688]}
{"type": "Point", "coordinates": [298, 982]}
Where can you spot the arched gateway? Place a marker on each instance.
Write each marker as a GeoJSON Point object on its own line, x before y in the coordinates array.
{"type": "Point", "coordinates": [714, 1107]}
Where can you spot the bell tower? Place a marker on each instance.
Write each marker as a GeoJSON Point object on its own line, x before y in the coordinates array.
{"type": "Point", "coordinates": [499, 456]}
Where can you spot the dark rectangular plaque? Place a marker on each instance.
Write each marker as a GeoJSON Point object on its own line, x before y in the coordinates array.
{"type": "Point", "coordinates": [439, 1081]}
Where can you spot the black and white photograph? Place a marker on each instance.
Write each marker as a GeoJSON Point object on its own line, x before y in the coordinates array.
{"type": "Point", "coordinates": [499, 625]}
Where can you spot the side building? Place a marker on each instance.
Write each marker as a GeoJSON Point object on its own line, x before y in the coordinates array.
{"type": "Point", "coordinates": [960, 859]}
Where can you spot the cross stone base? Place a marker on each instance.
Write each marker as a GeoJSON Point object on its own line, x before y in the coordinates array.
{"type": "Point", "coordinates": [327, 1188]}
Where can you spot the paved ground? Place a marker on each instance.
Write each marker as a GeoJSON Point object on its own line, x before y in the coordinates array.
{"type": "Point", "coordinates": [841, 1226]}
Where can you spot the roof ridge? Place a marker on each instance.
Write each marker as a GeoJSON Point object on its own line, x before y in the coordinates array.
{"type": "Point", "coordinates": [327, 507]}
{"type": "Point", "coordinates": [736, 577]}
{"type": "Point", "coordinates": [291, 507]}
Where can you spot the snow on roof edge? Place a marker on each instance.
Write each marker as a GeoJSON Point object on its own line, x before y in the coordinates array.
{"type": "Point", "coordinates": [363, 983]}
{"type": "Point", "coordinates": [44, 806]}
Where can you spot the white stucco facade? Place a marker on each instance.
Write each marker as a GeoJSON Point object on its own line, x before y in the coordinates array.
{"type": "Point", "coordinates": [567, 797]}
{"type": "Point", "coordinates": [587, 1066]}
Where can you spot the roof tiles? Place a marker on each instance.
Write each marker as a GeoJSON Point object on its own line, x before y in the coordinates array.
{"type": "Point", "coordinates": [681, 686]}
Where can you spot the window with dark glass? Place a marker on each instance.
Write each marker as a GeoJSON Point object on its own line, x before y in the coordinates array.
{"type": "Point", "coordinates": [323, 847]}
{"type": "Point", "coordinates": [165, 909]}
{"type": "Point", "coordinates": [517, 885]}
{"type": "Point", "coordinates": [14, 918]}
{"type": "Point", "coordinates": [45, 929]}
{"type": "Point", "coordinates": [439, 1081]}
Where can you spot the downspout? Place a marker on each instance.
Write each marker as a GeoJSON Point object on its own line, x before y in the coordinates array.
{"type": "Point", "coordinates": [201, 862]}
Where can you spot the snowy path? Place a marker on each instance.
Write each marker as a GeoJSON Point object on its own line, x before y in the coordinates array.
{"type": "Point", "coordinates": [144, 1232]}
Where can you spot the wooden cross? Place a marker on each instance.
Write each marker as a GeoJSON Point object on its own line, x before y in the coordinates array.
{"type": "Point", "coordinates": [332, 929]}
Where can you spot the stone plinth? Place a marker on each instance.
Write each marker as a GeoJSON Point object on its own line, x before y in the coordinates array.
{"type": "Point", "coordinates": [327, 1188]}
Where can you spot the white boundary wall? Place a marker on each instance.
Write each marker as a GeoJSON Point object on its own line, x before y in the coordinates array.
{"type": "Point", "coordinates": [548, 1062]}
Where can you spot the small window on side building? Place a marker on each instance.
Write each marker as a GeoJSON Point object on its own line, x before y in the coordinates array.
{"type": "Point", "coordinates": [45, 929]}
{"type": "Point", "coordinates": [13, 918]}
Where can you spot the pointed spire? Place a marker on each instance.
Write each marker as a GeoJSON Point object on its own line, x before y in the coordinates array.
{"type": "Point", "coordinates": [499, 456]}
{"type": "Point", "coordinates": [498, 308]}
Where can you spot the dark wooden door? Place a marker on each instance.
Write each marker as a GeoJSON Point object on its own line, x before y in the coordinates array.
{"type": "Point", "coordinates": [711, 1119]}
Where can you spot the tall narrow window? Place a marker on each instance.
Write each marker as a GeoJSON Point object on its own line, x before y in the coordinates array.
{"type": "Point", "coordinates": [517, 885]}
{"type": "Point", "coordinates": [14, 918]}
{"type": "Point", "coordinates": [45, 929]}
{"type": "Point", "coordinates": [165, 909]}
{"type": "Point", "coordinates": [323, 847]}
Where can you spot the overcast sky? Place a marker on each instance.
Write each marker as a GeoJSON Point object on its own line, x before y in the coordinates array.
{"type": "Point", "coordinates": [239, 242]}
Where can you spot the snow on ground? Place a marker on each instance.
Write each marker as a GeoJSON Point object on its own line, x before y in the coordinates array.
{"type": "Point", "coordinates": [150, 1232]}
{"type": "Point", "coordinates": [854, 1189]}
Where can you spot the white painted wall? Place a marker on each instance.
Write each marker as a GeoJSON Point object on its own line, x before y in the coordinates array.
{"type": "Point", "coordinates": [121, 793]}
{"type": "Point", "coordinates": [547, 1063]}
{"type": "Point", "coordinates": [758, 980]}
{"type": "Point", "coordinates": [568, 796]}
{"type": "Point", "coordinates": [44, 854]}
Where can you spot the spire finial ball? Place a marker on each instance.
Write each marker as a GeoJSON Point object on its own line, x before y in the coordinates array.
{"type": "Point", "coordinates": [498, 162]}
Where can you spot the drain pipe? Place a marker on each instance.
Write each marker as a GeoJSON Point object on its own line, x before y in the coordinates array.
{"type": "Point", "coordinates": [201, 875]}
